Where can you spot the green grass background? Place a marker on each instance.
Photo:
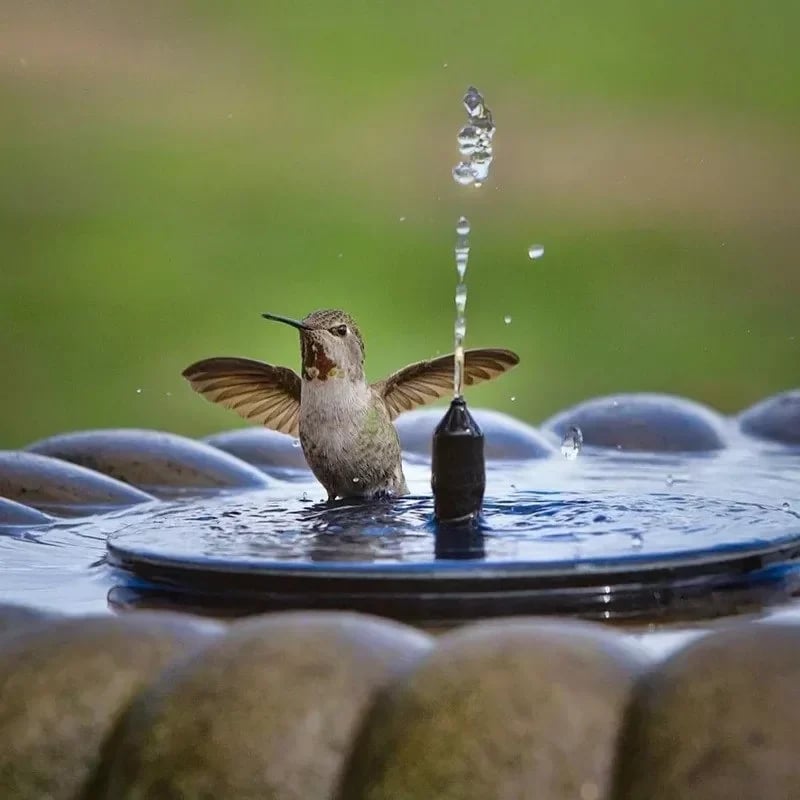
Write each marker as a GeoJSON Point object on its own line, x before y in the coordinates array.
{"type": "Point", "coordinates": [170, 171]}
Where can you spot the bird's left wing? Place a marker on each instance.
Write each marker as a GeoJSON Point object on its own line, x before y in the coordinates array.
{"type": "Point", "coordinates": [427, 381]}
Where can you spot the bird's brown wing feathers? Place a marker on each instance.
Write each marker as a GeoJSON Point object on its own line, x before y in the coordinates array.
{"type": "Point", "coordinates": [256, 391]}
{"type": "Point", "coordinates": [427, 381]}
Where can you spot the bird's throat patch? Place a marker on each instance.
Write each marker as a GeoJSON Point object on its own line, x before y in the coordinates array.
{"type": "Point", "coordinates": [316, 363]}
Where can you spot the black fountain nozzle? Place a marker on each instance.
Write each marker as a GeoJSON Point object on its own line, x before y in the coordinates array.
{"type": "Point", "coordinates": [458, 469]}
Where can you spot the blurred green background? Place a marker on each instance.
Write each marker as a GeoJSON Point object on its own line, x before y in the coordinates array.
{"type": "Point", "coordinates": [170, 171]}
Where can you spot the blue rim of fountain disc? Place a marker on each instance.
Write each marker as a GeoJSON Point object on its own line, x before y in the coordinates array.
{"type": "Point", "coordinates": [698, 583]}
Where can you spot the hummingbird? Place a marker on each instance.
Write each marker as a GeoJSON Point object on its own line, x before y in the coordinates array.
{"type": "Point", "coordinates": [344, 423]}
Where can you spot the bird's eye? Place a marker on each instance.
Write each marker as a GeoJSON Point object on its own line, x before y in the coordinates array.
{"type": "Point", "coordinates": [339, 330]}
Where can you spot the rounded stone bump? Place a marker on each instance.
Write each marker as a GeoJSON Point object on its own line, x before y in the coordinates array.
{"type": "Point", "coordinates": [270, 711]}
{"type": "Point", "coordinates": [15, 514]}
{"type": "Point", "coordinates": [523, 708]}
{"type": "Point", "coordinates": [775, 418]}
{"type": "Point", "coordinates": [56, 485]}
{"type": "Point", "coordinates": [268, 450]}
{"type": "Point", "coordinates": [64, 683]}
{"type": "Point", "coordinates": [643, 422]}
{"type": "Point", "coordinates": [506, 438]}
{"type": "Point", "coordinates": [152, 460]}
{"type": "Point", "coordinates": [717, 720]}
{"type": "Point", "coordinates": [15, 618]}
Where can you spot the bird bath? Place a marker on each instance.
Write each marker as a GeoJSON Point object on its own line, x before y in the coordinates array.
{"type": "Point", "coordinates": [617, 534]}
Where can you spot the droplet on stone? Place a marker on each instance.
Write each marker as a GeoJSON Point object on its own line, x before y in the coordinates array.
{"type": "Point", "coordinates": [572, 443]}
{"type": "Point", "coordinates": [536, 251]}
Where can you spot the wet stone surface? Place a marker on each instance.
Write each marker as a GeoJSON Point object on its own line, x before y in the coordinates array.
{"type": "Point", "coordinates": [324, 705]}
{"type": "Point", "coordinates": [152, 460]}
{"type": "Point", "coordinates": [270, 711]}
{"type": "Point", "coordinates": [777, 418]}
{"type": "Point", "coordinates": [718, 720]}
{"type": "Point", "coordinates": [506, 438]}
{"type": "Point", "coordinates": [57, 486]}
{"type": "Point", "coordinates": [655, 423]}
{"type": "Point", "coordinates": [523, 709]}
{"type": "Point", "coordinates": [274, 453]}
{"type": "Point", "coordinates": [63, 685]}
{"type": "Point", "coordinates": [17, 617]}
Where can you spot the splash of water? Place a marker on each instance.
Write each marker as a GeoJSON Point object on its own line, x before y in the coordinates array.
{"type": "Point", "coordinates": [460, 330]}
{"type": "Point", "coordinates": [572, 443]}
{"type": "Point", "coordinates": [475, 141]}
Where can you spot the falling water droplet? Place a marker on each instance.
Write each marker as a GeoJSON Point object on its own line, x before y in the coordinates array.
{"type": "Point", "coordinates": [356, 480]}
{"type": "Point", "coordinates": [536, 251]}
{"type": "Point", "coordinates": [572, 443]}
{"type": "Point", "coordinates": [462, 174]}
{"type": "Point", "coordinates": [513, 398]}
{"type": "Point", "coordinates": [138, 391]}
{"type": "Point", "coordinates": [295, 443]}
{"type": "Point", "coordinates": [507, 319]}
{"type": "Point", "coordinates": [462, 257]}
{"type": "Point", "coordinates": [469, 139]}
{"type": "Point", "coordinates": [636, 540]}
{"type": "Point", "coordinates": [461, 298]}
{"type": "Point", "coordinates": [785, 506]}
{"type": "Point", "coordinates": [669, 480]}
{"type": "Point", "coordinates": [473, 102]}
{"type": "Point", "coordinates": [402, 219]}
{"type": "Point", "coordinates": [462, 226]}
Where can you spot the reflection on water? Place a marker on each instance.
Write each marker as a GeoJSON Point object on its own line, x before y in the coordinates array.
{"type": "Point", "coordinates": [602, 505]}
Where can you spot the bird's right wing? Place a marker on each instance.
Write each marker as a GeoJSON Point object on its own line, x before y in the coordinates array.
{"type": "Point", "coordinates": [256, 391]}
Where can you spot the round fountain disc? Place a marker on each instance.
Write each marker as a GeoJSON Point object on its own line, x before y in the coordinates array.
{"type": "Point", "coordinates": [571, 553]}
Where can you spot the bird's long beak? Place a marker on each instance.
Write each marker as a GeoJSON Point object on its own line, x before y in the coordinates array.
{"type": "Point", "coordinates": [293, 322]}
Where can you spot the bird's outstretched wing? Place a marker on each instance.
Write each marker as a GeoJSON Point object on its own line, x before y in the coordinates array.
{"type": "Point", "coordinates": [256, 391]}
{"type": "Point", "coordinates": [427, 381]}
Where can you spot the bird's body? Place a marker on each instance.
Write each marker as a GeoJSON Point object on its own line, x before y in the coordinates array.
{"type": "Point", "coordinates": [345, 424]}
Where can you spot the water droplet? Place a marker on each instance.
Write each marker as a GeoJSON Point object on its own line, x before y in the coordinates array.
{"type": "Point", "coordinates": [462, 257]}
{"type": "Point", "coordinates": [461, 298]}
{"type": "Point", "coordinates": [402, 219]}
{"type": "Point", "coordinates": [536, 251]}
{"type": "Point", "coordinates": [462, 174]}
{"type": "Point", "coordinates": [169, 394]}
{"type": "Point", "coordinates": [356, 480]}
{"type": "Point", "coordinates": [462, 226]}
{"type": "Point", "coordinates": [572, 443]}
{"type": "Point", "coordinates": [469, 139]}
{"type": "Point", "coordinates": [304, 497]}
{"type": "Point", "coordinates": [785, 506]}
{"type": "Point", "coordinates": [473, 102]}
{"type": "Point", "coordinates": [138, 391]}
{"type": "Point", "coordinates": [445, 65]}
{"type": "Point", "coordinates": [669, 480]}
{"type": "Point", "coordinates": [636, 540]}
{"type": "Point", "coordinates": [513, 398]}
{"type": "Point", "coordinates": [339, 255]}
{"type": "Point", "coordinates": [295, 443]}
{"type": "Point", "coordinates": [507, 319]}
